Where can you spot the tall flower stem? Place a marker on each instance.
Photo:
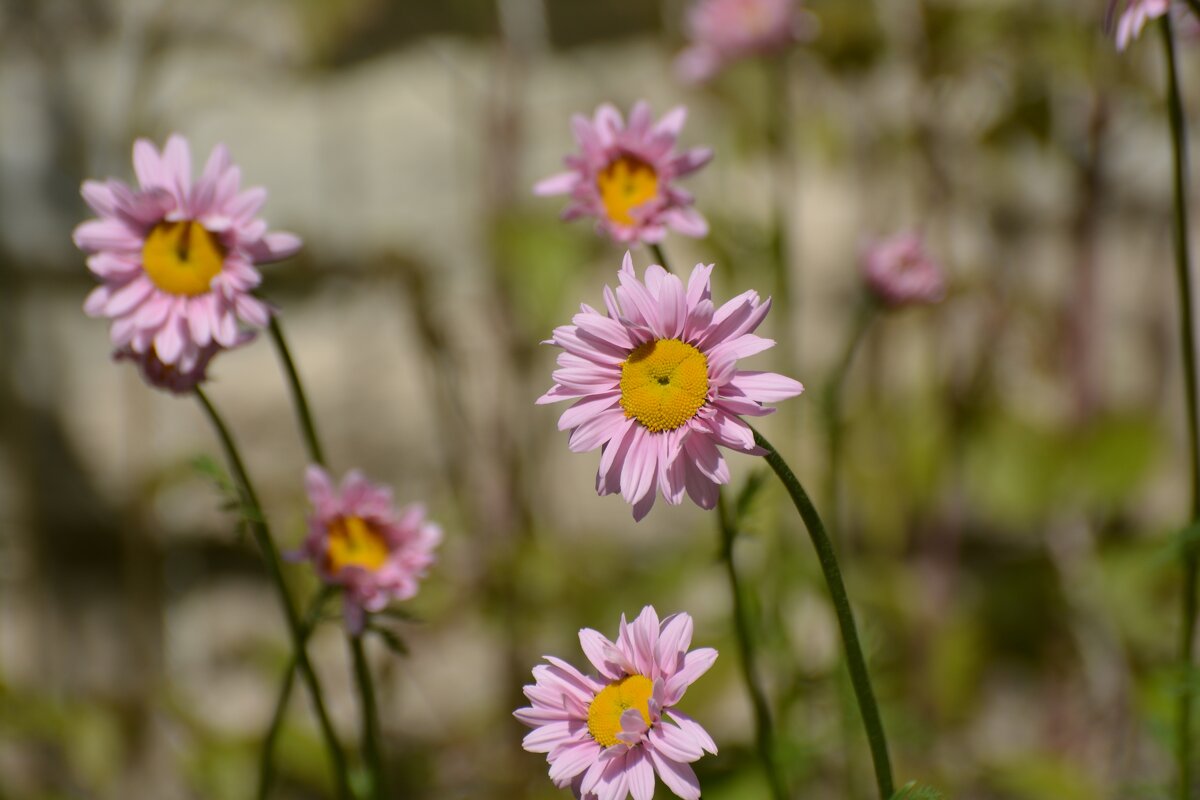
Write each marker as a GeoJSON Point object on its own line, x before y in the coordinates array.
{"type": "Point", "coordinates": [362, 674]}
{"type": "Point", "coordinates": [832, 408]}
{"type": "Point", "coordinates": [764, 731]}
{"type": "Point", "coordinates": [370, 716]}
{"type": "Point", "coordinates": [1187, 335]}
{"type": "Point", "coordinates": [660, 255]}
{"type": "Point", "coordinates": [266, 772]}
{"type": "Point", "coordinates": [299, 399]}
{"type": "Point", "coordinates": [262, 536]}
{"type": "Point", "coordinates": [855, 662]}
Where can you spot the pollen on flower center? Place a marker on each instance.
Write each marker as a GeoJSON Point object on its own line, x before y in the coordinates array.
{"type": "Point", "coordinates": [604, 714]}
{"type": "Point", "coordinates": [354, 542]}
{"type": "Point", "coordinates": [624, 185]}
{"type": "Point", "coordinates": [182, 258]}
{"type": "Point", "coordinates": [663, 384]}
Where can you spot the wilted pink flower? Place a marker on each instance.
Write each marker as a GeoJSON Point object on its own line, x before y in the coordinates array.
{"type": "Point", "coordinates": [172, 377]}
{"type": "Point", "coordinates": [359, 540]}
{"type": "Point", "coordinates": [657, 387]}
{"type": "Point", "coordinates": [1135, 16]}
{"type": "Point", "coordinates": [900, 272]}
{"type": "Point", "coordinates": [624, 175]}
{"type": "Point", "coordinates": [606, 737]}
{"type": "Point", "coordinates": [725, 31]}
{"type": "Point", "coordinates": [176, 259]}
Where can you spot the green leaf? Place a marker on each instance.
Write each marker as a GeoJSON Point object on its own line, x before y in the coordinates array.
{"type": "Point", "coordinates": [915, 791]}
{"type": "Point", "coordinates": [391, 639]}
{"type": "Point", "coordinates": [756, 480]}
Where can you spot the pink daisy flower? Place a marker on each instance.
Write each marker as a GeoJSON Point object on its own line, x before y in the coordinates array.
{"type": "Point", "coordinates": [900, 272]}
{"type": "Point", "coordinates": [1135, 16]}
{"type": "Point", "coordinates": [725, 31]}
{"type": "Point", "coordinates": [358, 540]}
{"type": "Point", "coordinates": [176, 258]}
{"type": "Point", "coordinates": [172, 377]}
{"type": "Point", "coordinates": [606, 737]}
{"type": "Point", "coordinates": [656, 385]}
{"type": "Point", "coordinates": [624, 175]}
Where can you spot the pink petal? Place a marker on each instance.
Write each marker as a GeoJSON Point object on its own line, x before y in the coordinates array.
{"type": "Point", "coordinates": [177, 166]}
{"type": "Point", "coordinates": [637, 478]}
{"type": "Point", "coordinates": [766, 387]}
{"type": "Point", "coordinates": [148, 166]}
{"type": "Point", "coordinates": [573, 760]}
{"type": "Point", "coordinates": [106, 234]}
{"type": "Point", "coordinates": [641, 775]}
{"type": "Point", "coordinates": [129, 297]}
{"type": "Point", "coordinates": [596, 431]}
{"type": "Point", "coordinates": [695, 664]}
{"type": "Point", "coordinates": [604, 655]}
{"type": "Point", "coordinates": [587, 408]}
{"type": "Point", "coordinates": [679, 778]}
{"type": "Point", "coordinates": [547, 737]}
{"type": "Point", "coordinates": [671, 124]}
{"type": "Point", "coordinates": [673, 641]}
{"type": "Point", "coordinates": [561, 183]}
{"type": "Point", "coordinates": [695, 730]}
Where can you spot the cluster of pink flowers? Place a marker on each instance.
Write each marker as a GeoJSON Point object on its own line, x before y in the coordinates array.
{"type": "Point", "coordinates": [899, 271]}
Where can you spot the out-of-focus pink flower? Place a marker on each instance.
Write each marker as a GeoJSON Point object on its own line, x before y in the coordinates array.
{"type": "Point", "coordinates": [900, 272]}
{"type": "Point", "coordinates": [176, 258]}
{"type": "Point", "coordinates": [360, 541]}
{"type": "Point", "coordinates": [1135, 16]}
{"type": "Point", "coordinates": [656, 385]}
{"type": "Point", "coordinates": [172, 377]}
{"type": "Point", "coordinates": [725, 31]}
{"type": "Point", "coordinates": [606, 737]}
{"type": "Point", "coordinates": [624, 175]}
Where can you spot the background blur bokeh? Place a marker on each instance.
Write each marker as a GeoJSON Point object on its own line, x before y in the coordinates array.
{"type": "Point", "coordinates": [1014, 456]}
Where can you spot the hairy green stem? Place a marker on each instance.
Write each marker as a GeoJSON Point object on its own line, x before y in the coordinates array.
{"type": "Point", "coordinates": [855, 662]}
{"type": "Point", "coordinates": [1187, 335]}
{"type": "Point", "coordinates": [266, 772]}
{"type": "Point", "coordinates": [764, 731]}
{"type": "Point", "coordinates": [262, 536]}
{"type": "Point", "coordinates": [832, 408]}
{"type": "Point", "coordinates": [299, 399]}
{"type": "Point", "coordinates": [370, 717]}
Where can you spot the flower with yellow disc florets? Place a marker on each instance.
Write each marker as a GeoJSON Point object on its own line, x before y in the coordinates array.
{"type": "Point", "coordinates": [655, 384]}
{"type": "Point", "coordinates": [607, 737]}
{"type": "Point", "coordinates": [624, 175]}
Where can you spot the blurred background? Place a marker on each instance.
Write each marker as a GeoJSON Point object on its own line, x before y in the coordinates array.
{"type": "Point", "coordinates": [1014, 457]}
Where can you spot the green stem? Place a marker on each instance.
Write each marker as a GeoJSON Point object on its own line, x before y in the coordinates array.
{"type": "Point", "coordinates": [1183, 273]}
{"type": "Point", "coordinates": [660, 256]}
{"type": "Point", "coordinates": [299, 399]}
{"type": "Point", "coordinates": [832, 407]}
{"type": "Point", "coordinates": [262, 536]}
{"type": "Point", "coordinates": [764, 731]}
{"type": "Point", "coordinates": [266, 773]}
{"type": "Point", "coordinates": [841, 605]}
{"type": "Point", "coordinates": [370, 717]}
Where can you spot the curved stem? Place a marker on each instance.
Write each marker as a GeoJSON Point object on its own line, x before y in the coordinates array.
{"type": "Point", "coordinates": [262, 536]}
{"type": "Point", "coordinates": [855, 662]}
{"type": "Point", "coordinates": [370, 717]}
{"type": "Point", "coordinates": [299, 399]}
{"type": "Point", "coordinates": [659, 254]}
{"type": "Point", "coordinates": [266, 772]}
{"type": "Point", "coordinates": [1187, 335]}
{"type": "Point", "coordinates": [764, 731]}
{"type": "Point", "coordinates": [832, 408]}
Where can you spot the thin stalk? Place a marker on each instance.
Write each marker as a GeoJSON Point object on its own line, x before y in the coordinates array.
{"type": "Point", "coordinates": [362, 673]}
{"type": "Point", "coordinates": [266, 772]}
{"type": "Point", "coordinates": [855, 662]}
{"type": "Point", "coordinates": [1187, 335]}
{"type": "Point", "coordinates": [660, 256]}
{"type": "Point", "coordinates": [832, 407]}
{"type": "Point", "coordinates": [262, 536]}
{"type": "Point", "coordinates": [299, 399]}
{"type": "Point", "coordinates": [764, 731]}
{"type": "Point", "coordinates": [370, 717]}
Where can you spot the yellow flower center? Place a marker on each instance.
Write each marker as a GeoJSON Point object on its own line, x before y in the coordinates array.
{"type": "Point", "coordinates": [354, 542]}
{"type": "Point", "coordinates": [663, 384]}
{"type": "Point", "coordinates": [182, 258]}
{"type": "Point", "coordinates": [624, 185]}
{"type": "Point", "coordinates": [604, 714]}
